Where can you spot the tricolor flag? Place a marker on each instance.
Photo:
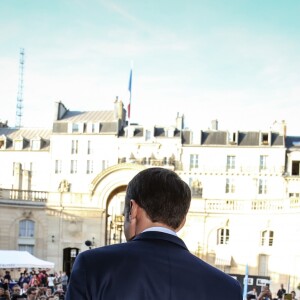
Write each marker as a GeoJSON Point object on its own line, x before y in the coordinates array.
{"type": "Point", "coordinates": [129, 89]}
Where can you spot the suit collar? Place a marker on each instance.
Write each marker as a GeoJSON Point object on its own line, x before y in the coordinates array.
{"type": "Point", "coordinates": [162, 236]}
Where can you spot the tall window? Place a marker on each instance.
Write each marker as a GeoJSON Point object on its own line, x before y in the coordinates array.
{"type": "Point", "coordinates": [148, 135]}
{"type": "Point", "coordinates": [95, 127]}
{"type": "Point", "coordinates": [230, 186]}
{"type": "Point", "coordinates": [74, 149]}
{"type": "Point", "coordinates": [89, 167]}
{"type": "Point", "coordinates": [73, 166]}
{"type": "Point", "coordinates": [26, 229]}
{"type": "Point", "coordinates": [230, 162]}
{"type": "Point", "coordinates": [263, 162]}
{"type": "Point", "coordinates": [262, 186]}
{"type": "Point", "coordinates": [26, 236]}
{"type": "Point", "coordinates": [57, 166]}
{"type": "Point", "coordinates": [223, 236]}
{"type": "Point", "coordinates": [194, 161]}
{"type": "Point", "coordinates": [28, 248]}
{"type": "Point", "coordinates": [296, 167]}
{"type": "Point", "coordinates": [89, 149]}
{"type": "Point", "coordinates": [267, 238]}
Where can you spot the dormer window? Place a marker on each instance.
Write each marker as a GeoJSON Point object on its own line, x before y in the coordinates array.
{"type": "Point", "coordinates": [264, 138]}
{"type": "Point", "coordinates": [36, 144]}
{"type": "Point", "coordinates": [75, 127]}
{"type": "Point", "coordinates": [232, 138]}
{"type": "Point", "coordinates": [148, 135]}
{"type": "Point", "coordinates": [18, 144]}
{"type": "Point", "coordinates": [92, 127]}
{"type": "Point", "coordinates": [170, 132]}
{"type": "Point", "coordinates": [4, 142]}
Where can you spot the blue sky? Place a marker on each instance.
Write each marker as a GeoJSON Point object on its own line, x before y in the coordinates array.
{"type": "Point", "coordinates": [235, 61]}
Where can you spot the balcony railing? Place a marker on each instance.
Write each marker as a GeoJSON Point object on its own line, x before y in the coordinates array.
{"type": "Point", "coordinates": [199, 204]}
{"type": "Point", "coordinates": [34, 196]}
{"type": "Point", "coordinates": [247, 206]}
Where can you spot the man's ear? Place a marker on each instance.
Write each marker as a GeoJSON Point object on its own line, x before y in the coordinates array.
{"type": "Point", "coordinates": [133, 209]}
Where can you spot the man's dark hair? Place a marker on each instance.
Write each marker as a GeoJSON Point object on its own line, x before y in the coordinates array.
{"type": "Point", "coordinates": [31, 289]}
{"type": "Point", "coordinates": [163, 195]}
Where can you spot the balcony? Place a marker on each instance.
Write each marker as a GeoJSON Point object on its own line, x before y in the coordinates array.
{"type": "Point", "coordinates": [255, 206]}
{"type": "Point", "coordinates": [14, 196]}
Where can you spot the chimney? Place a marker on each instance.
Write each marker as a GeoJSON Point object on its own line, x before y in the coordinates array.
{"type": "Point", "coordinates": [179, 122]}
{"type": "Point", "coordinates": [283, 128]}
{"type": "Point", "coordinates": [118, 109]}
{"type": "Point", "coordinates": [214, 125]}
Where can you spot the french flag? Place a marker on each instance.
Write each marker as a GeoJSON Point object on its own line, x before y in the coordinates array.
{"type": "Point", "coordinates": [129, 89]}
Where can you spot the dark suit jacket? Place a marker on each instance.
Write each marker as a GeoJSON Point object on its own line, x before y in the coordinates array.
{"type": "Point", "coordinates": [153, 266]}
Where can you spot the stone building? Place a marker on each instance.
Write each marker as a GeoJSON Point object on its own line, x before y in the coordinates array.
{"type": "Point", "coordinates": [62, 190]}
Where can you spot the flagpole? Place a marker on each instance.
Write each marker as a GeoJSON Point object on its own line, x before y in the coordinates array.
{"type": "Point", "coordinates": [130, 96]}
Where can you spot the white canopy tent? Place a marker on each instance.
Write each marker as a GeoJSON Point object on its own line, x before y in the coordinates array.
{"type": "Point", "coordinates": [10, 259]}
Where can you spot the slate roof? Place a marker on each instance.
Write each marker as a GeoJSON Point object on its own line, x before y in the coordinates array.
{"type": "Point", "coordinates": [249, 138]}
{"type": "Point", "coordinates": [28, 134]}
{"type": "Point", "coordinates": [292, 142]}
{"type": "Point", "coordinates": [88, 116]}
{"type": "Point", "coordinates": [214, 138]}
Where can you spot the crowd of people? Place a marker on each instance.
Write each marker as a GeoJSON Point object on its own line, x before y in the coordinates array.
{"type": "Point", "coordinates": [34, 286]}
{"type": "Point", "coordinates": [266, 294]}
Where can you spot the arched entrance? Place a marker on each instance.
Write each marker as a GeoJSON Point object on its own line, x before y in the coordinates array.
{"type": "Point", "coordinates": [115, 216]}
{"type": "Point", "coordinates": [108, 189]}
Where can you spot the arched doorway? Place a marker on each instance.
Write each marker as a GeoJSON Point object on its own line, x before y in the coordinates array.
{"type": "Point", "coordinates": [115, 216]}
{"type": "Point", "coordinates": [108, 189]}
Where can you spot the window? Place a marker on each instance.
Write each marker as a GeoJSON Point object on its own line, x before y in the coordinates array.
{"type": "Point", "coordinates": [75, 127]}
{"type": "Point", "coordinates": [35, 144]}
{"type": "Point", "coordinates": [58, 166]}
{"type": "Point", "coordinates": [267, 238]}
{"type": "Point", "coordinates": [26, 229]}
{"type": "Point", "coordinates": [230, 186]}
{"type": "Point", "coordinates": [263, 162]}
{"type": "Point", "coordinates": [89, 167]}
{"type": "Point", "coordinates": [264, 138]}
{"type": "Point", "coordinates": [89, 150]}
{"type": "Point", "coordinates": [74, 149]}
{"type": "Point", "coordinates": [18, 144]}
{"type": "Point", "coordinates": [262, 187]}
{"type": "Point", "coordinates": [194, 161]}
{"type": "Point", "coordinates": [95, 127]}
{"type": "Point", "coordinates": [148, 135]}
{"type": "Point", "coordinates": [28, 248]}
{"type": "Point", "coordinates": [230, 162]}
{"type": "Point", "coordinates": [170, 132]}
{"type": "Point", "coordinates": [73, 166]}
{"type": "Point", "coordinates": [295, 167]}
{"type": "Point", "coordinates": [2, 143]}
{"type": "Point", "coordinates": [223, 236]}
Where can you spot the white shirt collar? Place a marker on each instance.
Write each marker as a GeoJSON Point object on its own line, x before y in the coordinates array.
{"type": "Point", "coordinates": [161, 229]}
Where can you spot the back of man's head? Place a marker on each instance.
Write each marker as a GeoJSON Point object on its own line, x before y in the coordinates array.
{"type": "Point", "coordinates": [163, 195]}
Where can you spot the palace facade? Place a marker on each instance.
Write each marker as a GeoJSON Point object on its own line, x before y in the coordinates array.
{"type": "Point", "coordinates": [62, 189]}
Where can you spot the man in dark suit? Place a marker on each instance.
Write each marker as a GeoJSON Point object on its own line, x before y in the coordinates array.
{"type": "Point", "coordinates": [154, 264]}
